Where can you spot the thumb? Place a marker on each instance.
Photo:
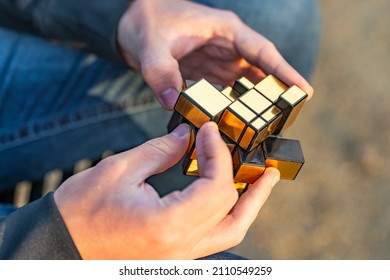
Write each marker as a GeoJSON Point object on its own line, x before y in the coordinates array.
{"type": "Point", "coordinates": [159, 154]}
{"type": "Point", "coordinates": [161, 71]}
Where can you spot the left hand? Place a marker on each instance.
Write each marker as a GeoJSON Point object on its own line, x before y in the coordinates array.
{"type": "Point", "coordinates": [174, 39]}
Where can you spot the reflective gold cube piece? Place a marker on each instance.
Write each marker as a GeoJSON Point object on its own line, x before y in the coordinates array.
{"type": "Point", "coordinates": [200, 103]}
{"type": "Point", "coordinates": [271, 88]}
{"type": "Point", "coordinates": [285, 155]}
{"type": "Point", "coordinates": [175, 120]}
{"type": "Point", "coordinates": [190, 166]}
{"type": "Point", "coordinates": [190, 162]}
{"type": "Point", "coordinates": [291, 103]}
{"type": "Point", "coordinates": [241, 187]}
{"type": "Point", "coordinates": [254, 134]}
{"type": "Point", "coordinates": [235, 119]}
{"type": "Point", "coordinates": [255, 101]}
{"type": "Point", "coordinates": [230, 93]}
{"type": "Point", "coordinates": [272, 116]}
{"type": "Point", "coordinates": [248, 167]}
{"type": "Point", "coordinates": [242, 85]}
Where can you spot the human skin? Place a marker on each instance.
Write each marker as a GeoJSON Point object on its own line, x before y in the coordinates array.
{"type": "Point", "coordinates": [112, 213]}
{"type": "Point", "coordinates": [172, 40]}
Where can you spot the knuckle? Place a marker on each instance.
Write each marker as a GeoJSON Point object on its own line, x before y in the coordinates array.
{"type": "Point", "coordinates": [160, 146]}
{"type": "Point", "coordinates": [107, 165]}
{"type": "Point", "coordinates": [232, 17]}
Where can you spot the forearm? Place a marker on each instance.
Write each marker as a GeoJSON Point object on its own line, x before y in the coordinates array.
{"type": "Point", "coordinates": [91, 24]}
{"type": "Point", "coordinates": [36, 231]}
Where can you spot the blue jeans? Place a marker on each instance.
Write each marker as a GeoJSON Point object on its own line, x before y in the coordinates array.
{"type": "Point", "coordinates": [59, 105]}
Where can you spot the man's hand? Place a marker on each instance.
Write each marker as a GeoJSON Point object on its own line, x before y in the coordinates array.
{"type": "Point", "coordinates": [174, 39]}
{"type": "Point", "coordinates": [112, 213]}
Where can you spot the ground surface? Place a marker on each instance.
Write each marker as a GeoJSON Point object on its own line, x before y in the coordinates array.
{"type": "Point", "coordinates": [339, 206]}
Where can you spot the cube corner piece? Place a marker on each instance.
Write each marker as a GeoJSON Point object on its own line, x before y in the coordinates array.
{"type": "Point", "coordinates": [291, 103]}
{"type": "Point", "coordinates": [284, 154]}
{"type": "Point", "coordinates": [200, 103]}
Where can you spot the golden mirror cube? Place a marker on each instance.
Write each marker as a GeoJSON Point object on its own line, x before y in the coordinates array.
{"type": "Point", "coordinates": [271, 88]}
{"type": "Point", "coordinates": [285, 155]}
{"type": "Point", "coordinates": [200, 103]}
{"type": "Point", "coordinates": [235, 119]}
{"type": "Point", "coordinates": [242, 85]}
{"type": "Point", "coordinates": [248, 167]}
{"type": "Point", "coordinates": [248, 118]}
{"type": "Point", "coordinates": [291, 102]}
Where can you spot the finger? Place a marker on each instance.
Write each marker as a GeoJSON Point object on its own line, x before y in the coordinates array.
{"type": "Point", "coordinates": [157, 155]}
{"type": "Point", "coordinates": [232, 230]}
{"type": "Point", "coordinates": [212, 154]}
{"type": "Point", "coordinates": [261, 52]}
{"type": "Point", "coordinates": [207, 200]}
{"type": "Point", "coordinates": [161, 71]}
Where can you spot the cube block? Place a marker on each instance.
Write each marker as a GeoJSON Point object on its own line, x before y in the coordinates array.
{"type": "Point", "coordinates": [249, 118]}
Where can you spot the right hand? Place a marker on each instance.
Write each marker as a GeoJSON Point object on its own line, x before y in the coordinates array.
{"type": "Point", "coordinates": [112, 213]}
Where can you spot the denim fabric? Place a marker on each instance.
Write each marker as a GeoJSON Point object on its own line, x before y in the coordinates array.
{"type": "Point", "coordinates": [59, 105]}
{"type": "Point", "coordinates": [6, 209]}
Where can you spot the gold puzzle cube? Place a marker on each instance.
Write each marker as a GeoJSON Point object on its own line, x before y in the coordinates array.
{"type": "Point", "coordinates": [285, 155]}
{"type": "Point", "coordinates": [200, 103]}
{"type": "Point", "coordinates": [249, 116]}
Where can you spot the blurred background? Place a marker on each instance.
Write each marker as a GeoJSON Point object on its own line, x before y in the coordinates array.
{"type": "Point", "coordinates": [339, 205]}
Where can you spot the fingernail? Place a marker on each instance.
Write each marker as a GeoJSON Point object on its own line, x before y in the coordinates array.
{"type": "Point", "coordinates": [168, 97]}
{"type": "Point", "coordinates": [181, 131]}
{"type": "Point", "coordinates": [275, 180]}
